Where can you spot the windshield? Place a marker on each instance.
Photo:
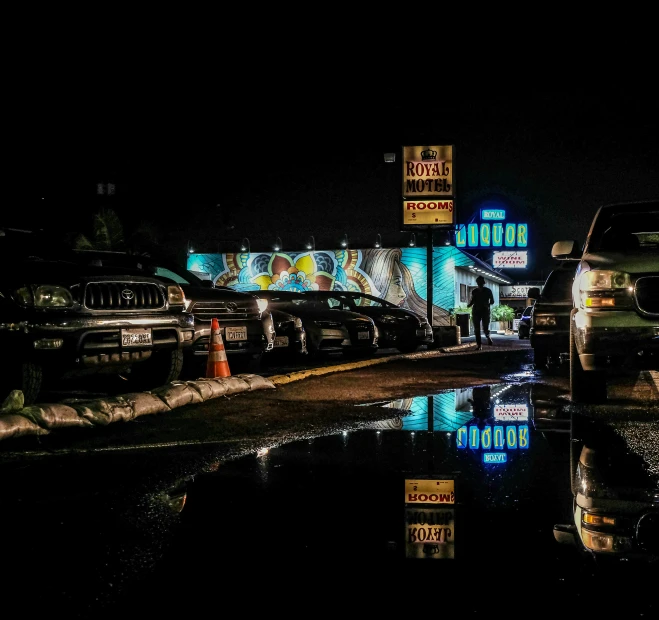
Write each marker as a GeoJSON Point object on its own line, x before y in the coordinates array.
{"type": "Point", "coordinates": [558, 286]}
{"type": "Point", "coordinates": [369, 300]}
{"type": "Point", "coordinates": [167, 274]}
{"type": "Point", "coordinates": [617, 229]}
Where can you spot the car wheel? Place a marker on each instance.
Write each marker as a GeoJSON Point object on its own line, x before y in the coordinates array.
{"type": "Point", "coordinates": [540, 358]}
{"type": "Point", "coordinates": [409, 347]}
{"type": "Point", "coordinates": [255, 364]}
{"type": "Point", "coordinates": [26, 377]}
{"type": "Point", "coordinates": [161, 368]}
{"type": "Point", "coordinates": [585, 386]}
{"type": "Point", "coordinates": [313, 353]}
{"type": "Point", "coordinates": [357, 354]}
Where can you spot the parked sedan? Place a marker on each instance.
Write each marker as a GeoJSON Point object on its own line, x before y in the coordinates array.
{"type": "Point", "coordinates": [290, 337]}
{"type": "Point", "coordinates": [524, 327]}
{"type": "Point", "coordinates": [550, 320]}
{"type": "Point", "coordinates": [329, 329]}
{"type": "Point", "coordinates": [397, 327]}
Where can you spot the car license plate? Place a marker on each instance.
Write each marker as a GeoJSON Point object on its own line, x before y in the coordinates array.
{"type": "Point", "coordinates": [236, 333]}
{"type": "Point", "coordinates": [363, 335]}
{"type": "Point", "coordinates": [136, 337]}
{"type": "Point", "coordinates": [281, 341]}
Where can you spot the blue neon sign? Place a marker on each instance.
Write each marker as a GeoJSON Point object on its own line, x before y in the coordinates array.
{"type": "Point", "coordinates": [497, 234]}
{"type": "Point", "coordinates": [511, 437]}
{"type": "Point", "coordinates": [493, 214]}
{"type": "Point", "coordinates": [495, 457]}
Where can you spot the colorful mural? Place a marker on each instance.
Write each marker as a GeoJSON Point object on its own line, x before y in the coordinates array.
{"type": "Point", "coordinates": [395, 274]}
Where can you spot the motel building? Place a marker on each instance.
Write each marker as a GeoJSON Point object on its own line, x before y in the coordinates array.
{"type": "Point", "coordinates": [399, 275]}
{"type": "Point", "coordinates": [488, 246]}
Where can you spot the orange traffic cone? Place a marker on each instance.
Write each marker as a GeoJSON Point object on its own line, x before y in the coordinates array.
{"type": "Point", "coordinates": [217, 365]}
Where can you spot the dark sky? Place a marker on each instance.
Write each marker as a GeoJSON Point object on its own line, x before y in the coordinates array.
{"type": "Point", "coordinates": [288, 157]}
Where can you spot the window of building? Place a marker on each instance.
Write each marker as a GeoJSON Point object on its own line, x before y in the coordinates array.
{"type": "Point", "coordinates": [463, 293]}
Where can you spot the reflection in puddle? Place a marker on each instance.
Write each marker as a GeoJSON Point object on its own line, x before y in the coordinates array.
{"type": "Point", "coordinates": [453, 494]}
{"type": "Point", "coordinates": [492, 420]}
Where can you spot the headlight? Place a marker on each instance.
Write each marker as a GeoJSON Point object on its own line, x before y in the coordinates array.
{"type": "Point", "coordinates": [600, 279]}
{"type": "Point", "coordinates": [602, 288]}
{"type": "Point", "coordinates": [175, 295]}
{"type": "Point", "coordinates": [262, 304]}
{"type": "Point", "coordinates": [601, 533]}
{"type": "Point", "coordinates": [45, 296]}
{"type": "Point", "coordinates": [548, 321]}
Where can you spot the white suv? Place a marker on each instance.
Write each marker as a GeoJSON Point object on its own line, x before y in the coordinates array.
{"type": "Point", "coordinates": [614, 322]}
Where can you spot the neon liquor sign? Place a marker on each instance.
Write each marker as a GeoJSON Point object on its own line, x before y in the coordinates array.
{"type": "Point", "coordinates": [495, 235]}
{"type": "Point", "coordinates": [493, 440]}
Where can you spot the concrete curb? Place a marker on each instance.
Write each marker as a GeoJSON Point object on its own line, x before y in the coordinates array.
{"type": "Point", "coordinates": [317, 372]}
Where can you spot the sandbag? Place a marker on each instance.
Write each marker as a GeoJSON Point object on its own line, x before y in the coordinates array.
{"type": "Point", "coordinates": [54, 415]}
{"type": "Point", "coordinates": [16, 425]}
{"type": "Point", "coordinates": [103, 411]}
{"type": "Point", "coordinates": [257, 382]}
{"type": "Point", "coordinates": [216, 387]}
{"type": "Point", "coordinates": [14, 402]}
{"type": "Point", "coordinates": [177, 395]}
{"type": "Point", "coordinates": [145, 403]}
{"type": "Point", "coordinates": [204, 388]}
{"type": "Point", "coordinates": [234, 384]}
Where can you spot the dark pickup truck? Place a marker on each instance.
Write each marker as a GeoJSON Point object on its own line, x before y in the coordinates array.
{"type": "Point", "coordinates": [65, 314]}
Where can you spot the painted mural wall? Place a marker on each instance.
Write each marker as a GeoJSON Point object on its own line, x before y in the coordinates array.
{"type": "Point", "coordinates": [395, 274]}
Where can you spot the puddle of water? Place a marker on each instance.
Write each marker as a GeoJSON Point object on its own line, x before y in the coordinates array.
{"type": "Point", "coordinates": [454, 495]}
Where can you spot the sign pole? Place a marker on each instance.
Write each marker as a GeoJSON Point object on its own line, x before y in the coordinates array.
{"type": "Point", "coordinates": [429, 273]}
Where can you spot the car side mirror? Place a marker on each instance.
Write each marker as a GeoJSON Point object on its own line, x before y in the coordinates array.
{"type": "Point", "coordinates": [534, 293]}
{"type": "Point", "coordinates": [565, 534]}
{"type": "Point", "coordinates": [566, 250]}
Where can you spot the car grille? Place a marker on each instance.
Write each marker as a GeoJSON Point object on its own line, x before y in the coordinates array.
{"type": "Point", "coordinates": [122, 296]}
{"type": "Point", "coordinates": [328, 324]}
{"type": "Point", "coordinates": [647, 294]}
{"type": "Point", "coordinates": [223, 310]}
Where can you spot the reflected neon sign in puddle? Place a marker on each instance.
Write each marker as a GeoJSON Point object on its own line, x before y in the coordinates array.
{"type": "Point", "coordinates": [490, 421]}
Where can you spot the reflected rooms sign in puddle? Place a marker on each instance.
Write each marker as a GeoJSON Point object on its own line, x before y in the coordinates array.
{"type": "Point", "coordinates": [430, 519]}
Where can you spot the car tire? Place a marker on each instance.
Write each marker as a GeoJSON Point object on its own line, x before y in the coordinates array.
{"type": "Point", "coordinates": [540, 358]}
{"type": "Point", "coordinates": [255, 364]}
{"type": "Point", "coordinates": [26, 377]}
{"type": "Point", "coordinates": [408, 348]}
{"type": "Point", "coordinates": [161, 368]}
{"type": "Point", "coordinates": [586, 387]}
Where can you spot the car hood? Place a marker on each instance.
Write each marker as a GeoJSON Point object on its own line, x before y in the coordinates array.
{"type": "Point", "coordinates": [280, 315]}
{"type": "Point", "coordinates": [636, 262]}
{"type": "Point", "coordinates": [399, 313]}
{"type": "Point", "coordinates": [326, 315]}
{"type": "Point", "coordinates": [202, 293]}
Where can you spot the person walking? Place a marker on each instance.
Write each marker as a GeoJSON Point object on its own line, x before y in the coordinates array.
{"type": "Point", "coordinates": [480, 302]}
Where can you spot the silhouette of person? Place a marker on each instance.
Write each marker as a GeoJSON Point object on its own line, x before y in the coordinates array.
{"type": "Point", "coordinates": [480, 302]}
{"type": "Point", "coordinates": [480, 400]}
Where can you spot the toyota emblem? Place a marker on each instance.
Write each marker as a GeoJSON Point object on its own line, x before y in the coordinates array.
{"type": "Point", "coordinates": [232, 307]}
{"type": "Point", "coordinates": [127, 294]}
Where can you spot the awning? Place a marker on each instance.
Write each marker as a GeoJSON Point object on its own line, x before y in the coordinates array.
{"type": "Point", "coordinates": [480, 268]}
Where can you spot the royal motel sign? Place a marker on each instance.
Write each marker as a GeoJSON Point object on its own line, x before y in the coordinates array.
{"type": "Point", "coordinates": [428, 187]}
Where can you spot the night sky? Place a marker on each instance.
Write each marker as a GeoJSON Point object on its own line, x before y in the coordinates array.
{"type": "Point", "coordinates": [291, 159]}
